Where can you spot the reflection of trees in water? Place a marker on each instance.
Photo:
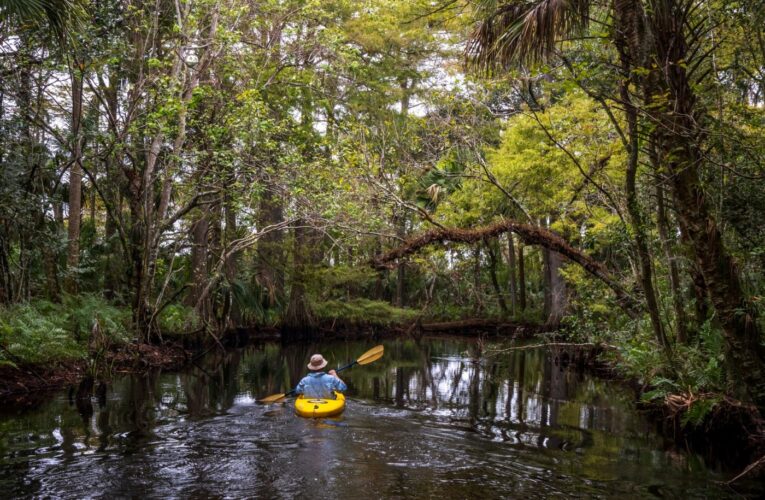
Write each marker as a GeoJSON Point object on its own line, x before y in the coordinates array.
{"type": "Point", "coordinates": [523, 389]}
{"type": "Point", "coordinates": [520, 395]}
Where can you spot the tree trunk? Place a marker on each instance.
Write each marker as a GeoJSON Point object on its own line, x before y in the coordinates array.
{"type": "Point", "coordinates": [231, 264]}
{"type": "Point", "coordinates": [478, 303]}
{"type": "Point", "coordinates": [401, 269]}
{"type": "Point", "coordinates": [511, 280]}
{"type": "Point", "coordinates": [494, 280]}
{"type": "Point", "coordinates": [680, 135]}
{"type": "Point", "coordinates": [230, 234]}
{"type": "Point", "coordinates": [546, 283]}
{"type": "Point", "coordinates": [136, 273]}
{"type": "Point", "coordinates": [113, 261]}
{"type": "Point", "coordinates": [558, 291]}
{"type": "Point", "coordinates": [6, 279]}
{"type": "Point", "coordinates": [115, 256]}
{"type": "Point", "coordinates": [521, 278]}
{"type": "Point", "coordinates": [699, 293]}
{"type": "Point", "coordinates": [199, 243]}
{"type": "Point", "coordinates": [681, 319]}
{"type": "Point", "coordinates": [270, 257]}
{"type": "Point", "coordinates": [299, 314]}
{"type": "Point", "coordinates": [629, 34]}
{"type": "Point", "coordinates": [400, 218]}
{"type": "Point", "coordinates": [75, 186]}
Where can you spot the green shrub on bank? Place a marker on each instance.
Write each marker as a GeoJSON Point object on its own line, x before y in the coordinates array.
{"type": "Point", "coordinates": [34, 336]}
{"type": "Point", "coordinates": [178, 319]}
{"type": "Point", "coordinates": [83, 310]}
{"type": "Point", "coordinates": [42, 332]}
{"type": "Point", "coordinates": [694, 372]}
{"type": "Point", "coordinates": [364, 311]}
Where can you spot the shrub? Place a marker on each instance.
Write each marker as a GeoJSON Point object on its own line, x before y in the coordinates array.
{"type": "Point", "coordinates": [34, 336]}
{"type": "Point", "coordinates": [43, 332]}
{"type": "Point", "coordinates": [363, 311]}
{"type": "Point", "coordinates": [177, 318]}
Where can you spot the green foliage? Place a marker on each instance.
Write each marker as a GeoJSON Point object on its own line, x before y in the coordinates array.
{"type": "Point", "coordinates": [178, 318]}
{"type": "Point", "coordinates": [694, 369]}
{"type": "Point", "coordinates": [85, 309]}
{"type": "Point", "coordinates": [339, 281]}
{"type": "Point", "coordinates": [35, 334]}
{"type": "Point", "coordinates": [45, 332]}
{"type": "Point", "coordinates": [363, 311]}
{"type": "Point", "coordinates": [699, 410]}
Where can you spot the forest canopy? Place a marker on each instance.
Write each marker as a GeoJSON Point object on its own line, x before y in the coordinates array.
{"type": "Point", "coordinates": [177, 167]}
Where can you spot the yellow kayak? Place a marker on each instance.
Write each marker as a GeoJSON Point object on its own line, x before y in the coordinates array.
{"type": "Point", "coordinates": [318, 408]}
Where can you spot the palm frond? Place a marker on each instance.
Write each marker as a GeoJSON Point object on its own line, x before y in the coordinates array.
{"type": "Point", "coordinates": [58, 14]}
{"type": "Point", "coordinates": [518, 31]}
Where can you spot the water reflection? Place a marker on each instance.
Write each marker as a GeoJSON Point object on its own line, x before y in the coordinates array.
{"type": "Point", "coordinates": [431, 418]}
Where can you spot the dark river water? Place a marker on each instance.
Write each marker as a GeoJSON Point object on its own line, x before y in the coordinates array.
{"type": "Point", "coordinates": [438, 419]}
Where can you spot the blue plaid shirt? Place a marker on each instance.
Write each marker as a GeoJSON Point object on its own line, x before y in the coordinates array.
{"type": "Point", "coordinates": [320, 385]}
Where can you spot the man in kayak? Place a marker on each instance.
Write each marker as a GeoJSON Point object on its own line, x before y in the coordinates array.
{"type": "Point", "coordinates": [320, 385]}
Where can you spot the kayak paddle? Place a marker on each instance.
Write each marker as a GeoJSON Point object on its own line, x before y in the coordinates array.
{"type": "Point", "coordinates": [371, 355]}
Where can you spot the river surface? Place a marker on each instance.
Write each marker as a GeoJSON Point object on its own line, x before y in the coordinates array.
{"type": "Point", "coordinates": [443, 418]}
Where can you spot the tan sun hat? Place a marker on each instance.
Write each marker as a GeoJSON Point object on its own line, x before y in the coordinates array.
{"type": "Point", "coordinates": [317, 362]}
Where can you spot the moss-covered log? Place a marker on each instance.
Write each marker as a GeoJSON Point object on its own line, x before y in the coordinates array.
{"type": "Point", "coordinates": [531, 235]}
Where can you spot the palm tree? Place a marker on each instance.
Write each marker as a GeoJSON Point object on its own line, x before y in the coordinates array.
{"type": "Point", "coordinates": [59, 15]}
{"type": "Point", "coordinates": [661, 38]}
{"type": "Point", "coordinates": [512, 32]}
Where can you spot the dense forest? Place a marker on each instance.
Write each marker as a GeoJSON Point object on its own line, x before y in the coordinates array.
{"type": "Point", "coordinates": [173, 168]}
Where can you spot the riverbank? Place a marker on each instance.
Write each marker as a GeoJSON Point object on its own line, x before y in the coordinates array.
{"type": "Point", "coordinates": [727, 433]}
{"type": "Point", "coordinates": [520, 426]}
{"type": "Point", "coordinates": [724, 431]}
{"type": "Point", "coordinates": [721, 429]}
{"type": "Point", "coordinates": [21, 382]}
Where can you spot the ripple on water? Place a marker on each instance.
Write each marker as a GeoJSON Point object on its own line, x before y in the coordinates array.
{"type": "Point", "coordinates": [424, 422]}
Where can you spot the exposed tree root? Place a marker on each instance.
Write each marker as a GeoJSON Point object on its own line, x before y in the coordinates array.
{"type": "Point", "coordinates": [751, 467]}
{"type": "Point", "coordinates": [731, 431]}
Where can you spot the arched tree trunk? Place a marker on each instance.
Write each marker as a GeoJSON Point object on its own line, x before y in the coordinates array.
{"type": "Point", "coordinates": [532, 235]}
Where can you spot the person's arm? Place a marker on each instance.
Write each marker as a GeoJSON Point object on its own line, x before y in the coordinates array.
{"type": "Point", "coordinates": [339, 385]}
{"type": "Point", "coordinates": [300, 389]}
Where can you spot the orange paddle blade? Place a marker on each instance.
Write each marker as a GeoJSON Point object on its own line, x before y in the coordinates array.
{"type": "Point", "coordinates": [371, 355]}
{"type": "Point", "coordinates": [274, 398]}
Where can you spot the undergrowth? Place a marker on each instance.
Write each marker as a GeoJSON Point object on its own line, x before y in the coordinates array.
{"type": "Point", "coordinates": [178, 318]}
{"type": "Point", "coordinates": [43, 332]}
{"type": "Point", "coordinates": [694, 373]}
{"type": "Point", "coordinates": [363, 311]}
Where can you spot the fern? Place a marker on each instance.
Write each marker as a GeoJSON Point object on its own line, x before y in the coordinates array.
{"type": "Point", "coordinates": [177, 318]}
{"type": "Point", "coordinates": [363, 311]}
{"type": "Point", "coordinates": [42, 332]}
{"type": "Point", "coordinates": [699, 410]}
{"type": "Point", "coordinates": [34, 338]}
